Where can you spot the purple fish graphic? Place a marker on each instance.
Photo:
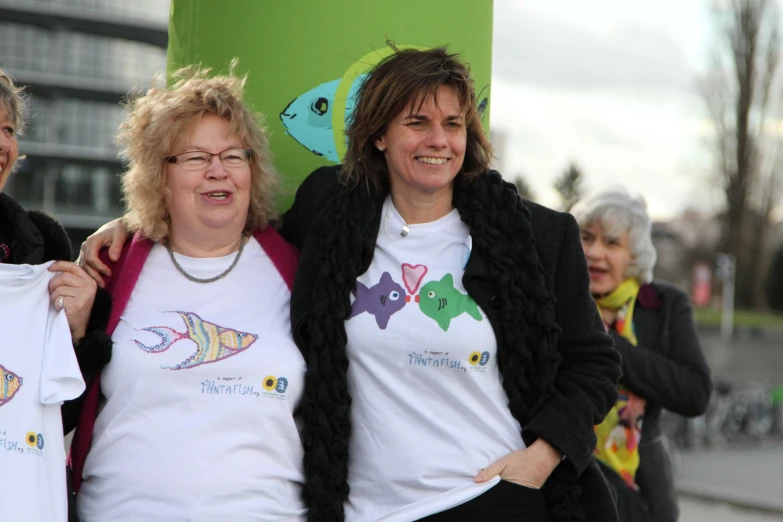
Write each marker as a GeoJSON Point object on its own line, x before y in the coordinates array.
{"type": "Point", "coordinates": [214, 342]}
{"type": "Point", "coordinates": [382, 300]}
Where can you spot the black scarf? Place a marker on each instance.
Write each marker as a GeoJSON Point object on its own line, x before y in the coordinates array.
{"type": "Point", "coordinates": [528, 358]}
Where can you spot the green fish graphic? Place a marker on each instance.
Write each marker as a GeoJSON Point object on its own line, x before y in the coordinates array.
{"type": "Point", "coordinates": [440, 301]}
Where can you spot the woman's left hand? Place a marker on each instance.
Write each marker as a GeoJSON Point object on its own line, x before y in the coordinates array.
{"type": "Point", "coordinates": [73, 290]}
{"type": "Point", "coordinates": [529, 467]}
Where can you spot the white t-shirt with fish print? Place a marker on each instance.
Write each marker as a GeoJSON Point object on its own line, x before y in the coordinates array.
{"type": "Point", "coordinates": [429, 411]}
{"type": "Point", "coordinates": [204, 379]}
{"type": "Point", "coordinates": [39, 371]}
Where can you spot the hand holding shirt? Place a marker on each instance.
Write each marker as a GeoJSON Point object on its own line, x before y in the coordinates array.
{"type": "Point", "coordinates": [39, 371]}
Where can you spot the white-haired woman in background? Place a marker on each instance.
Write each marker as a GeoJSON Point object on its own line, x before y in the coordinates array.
{"type": "Point", "coordinates": [663, 365]}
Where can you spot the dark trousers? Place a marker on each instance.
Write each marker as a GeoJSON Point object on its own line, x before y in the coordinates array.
{"type": "Point", "coordinates": [630, 504]}
{"type": "Point", "coordinates": [504, 502]}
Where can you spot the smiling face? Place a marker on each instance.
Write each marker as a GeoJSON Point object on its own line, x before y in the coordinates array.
{"type": "Point", "coordinates": [213, 199]}
{"type": "Point", "coordinates": [425, 145]}
{"type": "Point", "coordinates": [9, 148]}
{"type": "Point", "coordinates": [608, 257]}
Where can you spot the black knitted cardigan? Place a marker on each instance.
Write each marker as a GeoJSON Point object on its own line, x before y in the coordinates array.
{"type": "Point", "coordinates": [346, 231]}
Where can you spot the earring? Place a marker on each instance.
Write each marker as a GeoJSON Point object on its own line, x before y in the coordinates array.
{"type": "Point", "coordinates": [381, 148]}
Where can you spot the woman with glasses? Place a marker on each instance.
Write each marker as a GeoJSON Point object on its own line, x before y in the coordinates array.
{"type": "Point", "coordinates": [196, 407]}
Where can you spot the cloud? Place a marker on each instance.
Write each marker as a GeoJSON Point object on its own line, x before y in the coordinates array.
{"type": "Point", "coordinates": [557, 50]}
{"type": "Point", "coordinates": [650, 147]}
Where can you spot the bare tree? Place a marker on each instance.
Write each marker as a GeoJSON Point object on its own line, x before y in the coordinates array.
{"type": "Point", "coordinates": [569, 186]}
{"type": "Point", "coordinates": [523, 188]}
{"type": "Point", "coordinates": [738, 93]}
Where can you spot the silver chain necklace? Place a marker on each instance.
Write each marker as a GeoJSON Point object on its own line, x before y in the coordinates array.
{"type": "Point", "coordinates": [211, 279]}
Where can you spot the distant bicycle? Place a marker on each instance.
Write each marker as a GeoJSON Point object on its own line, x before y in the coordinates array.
{"type": "Point", "coordinates": [738, 413]}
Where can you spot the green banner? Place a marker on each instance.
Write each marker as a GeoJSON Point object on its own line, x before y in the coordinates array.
{"type": "Point", "coordinates": [306, 58]}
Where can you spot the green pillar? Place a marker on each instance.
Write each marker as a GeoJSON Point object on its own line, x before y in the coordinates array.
{"type": "Point", "coordinates": [305, 58]}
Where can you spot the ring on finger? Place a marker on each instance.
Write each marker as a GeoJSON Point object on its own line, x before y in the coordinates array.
{"type": "Point", "coordinates": [60, 305]}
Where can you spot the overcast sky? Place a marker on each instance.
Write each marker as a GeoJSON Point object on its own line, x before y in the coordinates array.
{"type": "Point", "coordinates": [609, 85]}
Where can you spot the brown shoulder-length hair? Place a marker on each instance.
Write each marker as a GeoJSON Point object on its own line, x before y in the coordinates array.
{"type": "Point", "coordinates": [160, 119]}
{"type": "Point", "coordinates": [399, 81]}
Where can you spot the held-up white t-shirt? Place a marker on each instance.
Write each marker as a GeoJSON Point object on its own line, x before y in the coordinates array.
{"type": "Point", "coordinates": [429, 411]}
{"type": "Point", "coordinates": [39, 371]}
{"type": "Point", "coordinates": [198, 422]}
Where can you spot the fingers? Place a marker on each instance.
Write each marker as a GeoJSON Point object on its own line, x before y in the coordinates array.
{"type": "Point", "coordinates": [491, 471]}
{"type": "Point", "coordinates": [112, 235]}
{"type": "Point", "coordinates": [115, 250]}
{"type": "Point", "coordinates": [70, 280]}
{"type": "Point", "coordinates": [69, 268]}
{"type": "Point", "coordinates": [73, 291]}
{"type": "Point", "coordinates": [95, 276]}
{"type": "Point", "coordinates": [64, 279]}
{"type": "Point", "coordinates": [89, 259]}
{"type": "Point", "coordinates": [522, 482]}
{"type": "Point", "coordinates": [80, 297]}
{"type": "Point", "coordinates": [61, 297]}
{"type": "Point", "coordinates": [92, 273]}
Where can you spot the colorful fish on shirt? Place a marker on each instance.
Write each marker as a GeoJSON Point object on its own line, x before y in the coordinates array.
{"type": "Point", "coordinates": [382, 300]}
{"type": "Point", "coordinates": [9, 386]}
{"type": "Point", "coordinates": [214, 342]}
{"type": "Point", "coordinates": [440, 301]}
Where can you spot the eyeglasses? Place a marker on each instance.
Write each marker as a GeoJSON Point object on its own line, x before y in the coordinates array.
{"type": "Point", "coordinates": [200, 160]}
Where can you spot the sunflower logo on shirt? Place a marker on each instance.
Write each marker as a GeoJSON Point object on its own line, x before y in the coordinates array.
{"type": "Point", "coordinates": [275, 386]}
{"type": "Point", "coordinates": [35, 441]}
{"type": "Point", "coordinates": [270, 382]}
{"type": "Point", "coordinates": [478, 360]}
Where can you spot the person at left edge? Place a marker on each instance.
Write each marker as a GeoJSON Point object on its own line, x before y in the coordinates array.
{"type": "Point", "coordinates": [33, 237]}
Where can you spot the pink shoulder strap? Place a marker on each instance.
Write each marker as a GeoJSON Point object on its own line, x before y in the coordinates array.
{"type": "Point", "coordinates": [130, 264]}
{"type": "Point", "coordinates": [283, 255]}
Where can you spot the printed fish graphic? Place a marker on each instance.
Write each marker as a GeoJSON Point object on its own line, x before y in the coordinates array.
{"type": "Point", "coordinates": [214, 342]}
{"type": "Point", "coordinates": [382, 300]}
{"type": "Point", "coordinates": [9, 386]}
{"type": "Point", "coordinates": [440, 301]}
{"type": "Point", "coordinates": [309, 117]}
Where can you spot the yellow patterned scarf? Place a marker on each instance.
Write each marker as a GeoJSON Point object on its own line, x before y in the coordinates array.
{"type": "Point", "coordinates": [618, 435]}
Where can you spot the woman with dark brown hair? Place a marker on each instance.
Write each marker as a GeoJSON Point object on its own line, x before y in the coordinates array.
{"type": "Point", "coordinates": [456, 360]}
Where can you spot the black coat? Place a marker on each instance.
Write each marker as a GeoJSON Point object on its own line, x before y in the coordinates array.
{"type": "Point", "coordinates": [33, 238]}
{"type": "Point", "coordinates": [668, 370]}
{"type": "Point", "coordinates": [574, 387]}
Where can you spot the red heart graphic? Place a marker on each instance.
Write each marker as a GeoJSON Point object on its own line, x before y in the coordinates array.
{"type": "Point", "coordinates": [412, 276]}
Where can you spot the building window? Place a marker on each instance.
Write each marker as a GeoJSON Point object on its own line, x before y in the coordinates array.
{"type": "Point", "coordinates": [29, 48]}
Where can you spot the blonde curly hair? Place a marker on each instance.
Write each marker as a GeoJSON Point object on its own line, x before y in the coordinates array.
{"type": "Point", "coordinates": [158, 121]}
